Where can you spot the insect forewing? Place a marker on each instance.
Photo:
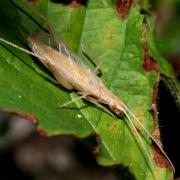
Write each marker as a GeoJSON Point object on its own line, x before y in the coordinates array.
{"type": "Point", "coordinates": [66, 67]}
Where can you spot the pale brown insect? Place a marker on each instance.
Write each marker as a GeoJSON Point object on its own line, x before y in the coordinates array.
{"type": "Point", "coordinates": [71, 73]}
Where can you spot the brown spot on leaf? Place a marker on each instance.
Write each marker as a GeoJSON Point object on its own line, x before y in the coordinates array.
{"type": "Point", "coordinates": [160, 159]}
{"type": "Point", "coordinates": [123, 7]}
{"type": "Point", "coordinates": [149, 63]}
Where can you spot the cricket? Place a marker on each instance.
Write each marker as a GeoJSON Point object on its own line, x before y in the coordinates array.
{"type": "Point", "coordinates": [73, 74]}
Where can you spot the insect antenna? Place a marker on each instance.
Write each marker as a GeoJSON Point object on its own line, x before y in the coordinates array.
{"type": "Point", "coordinates": [127, 111]}
{"type": "Point", "coordinates": [20, 48]}
{"type": "Point", "coordinates": [145, 152]}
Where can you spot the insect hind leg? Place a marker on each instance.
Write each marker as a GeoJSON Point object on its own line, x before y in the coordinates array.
{"type": "Point", "coordinates": [73, 100]}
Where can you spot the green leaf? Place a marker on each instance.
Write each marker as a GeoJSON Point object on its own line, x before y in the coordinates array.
{"type": "Point", "coordinates": [27, 87]}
